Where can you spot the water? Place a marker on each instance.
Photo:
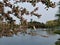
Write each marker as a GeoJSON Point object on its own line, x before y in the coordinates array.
{"type": "Point", "coordinates": [35, 38]}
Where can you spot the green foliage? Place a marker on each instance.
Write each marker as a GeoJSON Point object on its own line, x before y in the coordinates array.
{"type": "Point", "coordinates": [57, 42]}
{"type": "Point", "coordinates": [36, 24]}
{"type": "Point", "coordinates": [51, 23]}
{"type": "Point", "coordinates": [57, 31]}
{"type": "Point", "coordinates": [58, 14]}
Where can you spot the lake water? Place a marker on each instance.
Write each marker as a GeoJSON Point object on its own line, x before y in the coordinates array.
{"type": "Point", "coordinates": [38, 37]}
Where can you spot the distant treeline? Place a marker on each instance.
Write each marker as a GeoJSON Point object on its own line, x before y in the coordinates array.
{"type": "Point", "coordinates": [36, 24]}
{"type": "Point", "coordinates": [48, 24]}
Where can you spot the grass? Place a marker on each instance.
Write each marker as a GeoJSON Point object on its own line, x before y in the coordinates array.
{"type": "Point", "coordinates": [57, 31]}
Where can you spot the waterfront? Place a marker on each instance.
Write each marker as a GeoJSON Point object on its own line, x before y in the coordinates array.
{"type": "Point", "coordinates": [31, 38]}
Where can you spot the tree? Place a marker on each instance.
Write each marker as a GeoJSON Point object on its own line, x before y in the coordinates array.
{"type": "Point", "coordinates": [36, 24]}
{"type": "Point", "coordinates": [51, 24]}
{"type": "Point", "coordinates": [58, 14]}
{"type": "Point", "coordinates": [20, 11]}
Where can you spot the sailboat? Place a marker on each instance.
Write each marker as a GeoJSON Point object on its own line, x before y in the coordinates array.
{"type": "Point", "coordinates": [34, 28]}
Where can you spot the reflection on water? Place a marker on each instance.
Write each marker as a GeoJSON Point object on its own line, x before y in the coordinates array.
{"type": "Point", "coordinates": [28, 37]}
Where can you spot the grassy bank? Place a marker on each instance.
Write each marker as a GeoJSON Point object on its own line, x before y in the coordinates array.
{"type": "Point", "coordinates": [57, 31]}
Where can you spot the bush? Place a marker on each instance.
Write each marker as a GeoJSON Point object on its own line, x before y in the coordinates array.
{"type": "Point", "coordinates": [57, 31]}
{"type": "Point", "coordinates": [57, 42]}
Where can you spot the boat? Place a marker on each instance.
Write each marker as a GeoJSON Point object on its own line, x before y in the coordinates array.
{"type": "Point", "coordinates": [34, 28]}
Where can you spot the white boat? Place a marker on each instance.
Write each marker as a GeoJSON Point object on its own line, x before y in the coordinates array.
{"type": "Point", "coordinates": [34, 28]}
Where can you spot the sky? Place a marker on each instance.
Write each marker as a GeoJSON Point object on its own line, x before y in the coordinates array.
{"type": "Point", "coordinates": [46, 15]}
